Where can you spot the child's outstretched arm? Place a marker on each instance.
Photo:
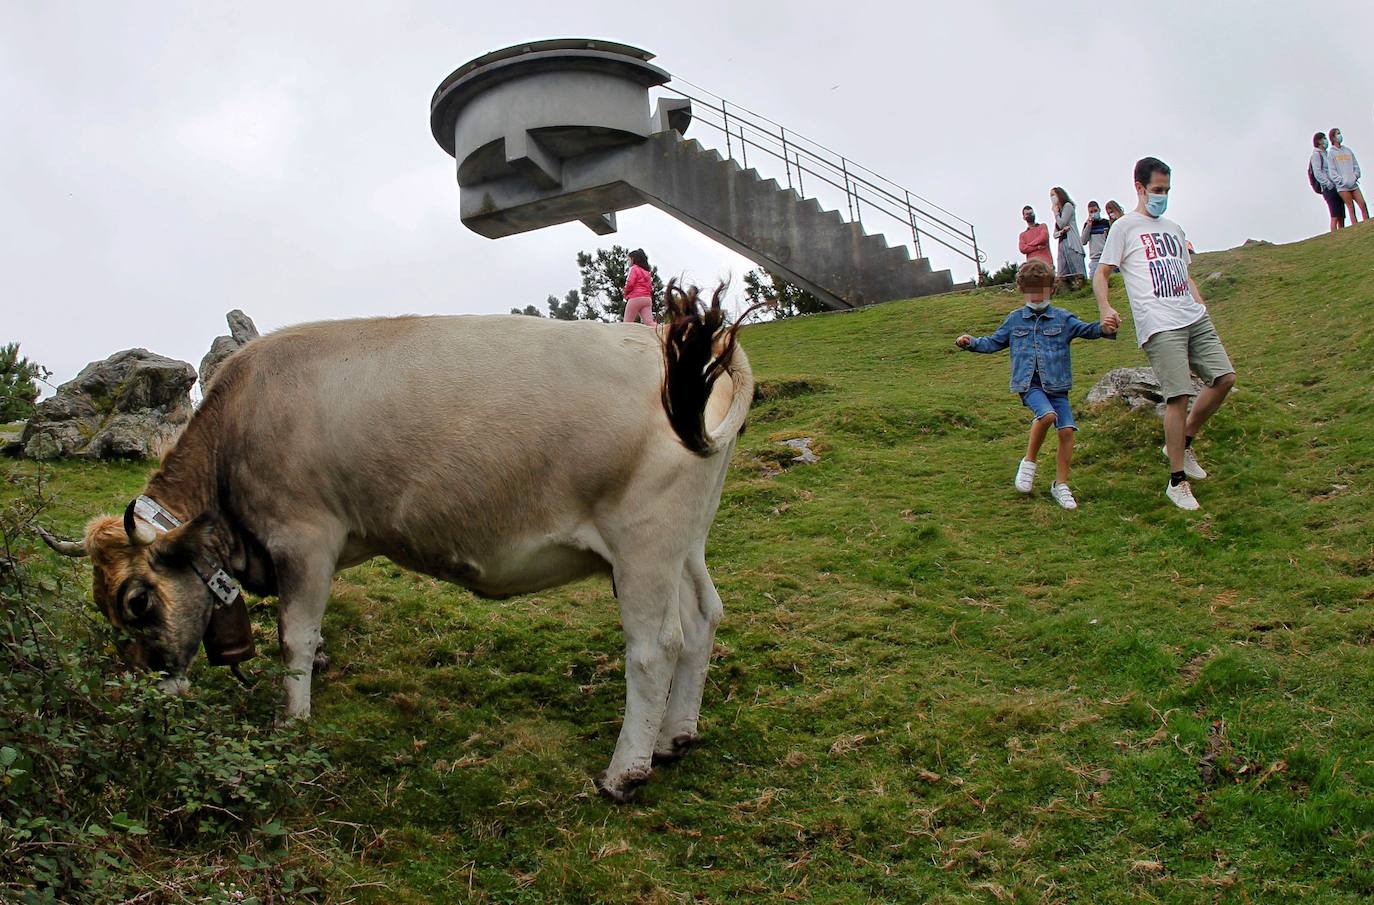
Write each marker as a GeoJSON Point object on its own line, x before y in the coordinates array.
{"type": "Point", "coordinates": [998, 341]}
{"type": "Point", "coordinates": [1103, 329]}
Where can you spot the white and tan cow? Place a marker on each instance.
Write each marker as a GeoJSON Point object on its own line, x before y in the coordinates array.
{"type": "Point", "coordinates": [504, 454]}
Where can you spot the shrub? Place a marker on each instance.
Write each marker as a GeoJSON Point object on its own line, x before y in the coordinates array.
{"type": "Point", "coordinates": [1005, 274]}
{"type": "Point", "coordinates": [101, 773]}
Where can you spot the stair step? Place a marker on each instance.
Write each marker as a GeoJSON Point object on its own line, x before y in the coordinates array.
{"type": "Point", "coordinates": [849, 262]}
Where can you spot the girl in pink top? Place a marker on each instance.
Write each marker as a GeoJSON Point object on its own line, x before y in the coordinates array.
{"type": "Point", "coordinates": [639, 290]}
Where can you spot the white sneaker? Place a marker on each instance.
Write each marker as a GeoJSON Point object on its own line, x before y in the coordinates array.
{"type": "Point", "coordinates": [1025, 475]}
{"type": "Point", "coordinates": [1062, 496]}
{"type": "Point", "coordinates": [1181, 495]}
{"type": "Point", "coordinates": [1193, 470]}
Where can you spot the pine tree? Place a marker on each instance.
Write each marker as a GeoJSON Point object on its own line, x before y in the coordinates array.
{"type": "Point", "coordinates": [18, 384]}
{"type": "Point", "coordinates": [760, 285]}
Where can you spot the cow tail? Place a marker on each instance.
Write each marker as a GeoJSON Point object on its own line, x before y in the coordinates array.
{"type": "Point", "coordinates": [698, 348]}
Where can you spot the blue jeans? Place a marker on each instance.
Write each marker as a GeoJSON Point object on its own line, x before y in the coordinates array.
{"type": "Point", "coordinates": [1042, 403]}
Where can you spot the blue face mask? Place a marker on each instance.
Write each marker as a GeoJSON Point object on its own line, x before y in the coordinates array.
{"type": "Point", "coordinates": [1037, 307]}
{"type": "Point", "coordinates": [1156, 204]}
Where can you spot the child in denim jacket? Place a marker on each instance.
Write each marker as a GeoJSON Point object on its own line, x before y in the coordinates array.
{"type": "Point", "coordinates": [1041, 372]}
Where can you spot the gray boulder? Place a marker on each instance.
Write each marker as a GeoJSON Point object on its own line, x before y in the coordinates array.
{"type": "Point", "coordinates": [1137, 387]}
{"type": "Point", "coordinates": [11, 442]}
{"type": "Point", "coordinates": [241, 332]}
{"type": "Point", "coordinates": [131, 405]}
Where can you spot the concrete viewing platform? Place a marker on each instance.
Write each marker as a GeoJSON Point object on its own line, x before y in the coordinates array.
{"type": "Point", "coordinates": [554, 131]}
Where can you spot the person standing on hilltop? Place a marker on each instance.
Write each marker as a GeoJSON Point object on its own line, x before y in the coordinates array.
{"type": "Point", "coordinates": [1171, 321]}
{"type": "Point", "coordinates": [1344, 171]}
{"type": "Point", "coordinates": [639, 290]}
{"type": "Point", "coordinates": [1035, 238]}
{"type": "Point", "coordinates": [1066, 231]}
{"type": "Point", "coordinates": [1320, 177]}
{"type": "Point", "coordinates": [1094, 235]}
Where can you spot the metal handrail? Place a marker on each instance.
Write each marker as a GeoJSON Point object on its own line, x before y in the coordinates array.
{"type": "Point", "coordinates": [802, 156]}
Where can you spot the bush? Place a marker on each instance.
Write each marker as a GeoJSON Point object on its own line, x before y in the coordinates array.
{"type": "Point", "coordinates": [1005, 274]}
{"type": "Point", "coordinates": [101, 774]}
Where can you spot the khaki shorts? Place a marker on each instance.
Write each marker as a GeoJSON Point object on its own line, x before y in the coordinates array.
{"type": "Point", "coordinates": [1177, 354]}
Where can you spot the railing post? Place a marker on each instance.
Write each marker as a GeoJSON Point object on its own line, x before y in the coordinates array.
{"type": "Point", "coordinates": [844, 168]}
{"type": "Point", "coordinates": [911, 217]}
{"type": "Point", "coordinates": [744, 147]}
{"type": "Point", "coordinates": [977, 264]}
{"type": "Point", "coordinates": [786, 164]}
{"type": "Point", "coordinates": [801, 189]}
{"type": "Point", "coordinates": [724, 115]}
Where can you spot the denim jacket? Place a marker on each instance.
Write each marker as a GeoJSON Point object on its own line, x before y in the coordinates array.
{"type": "Point", "coordinates": [1040, 342]}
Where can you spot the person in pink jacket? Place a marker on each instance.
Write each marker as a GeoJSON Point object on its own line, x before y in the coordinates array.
{"type": "Point", "coordinates": [639, 290]}
{"type": "Point", "coordinates": [1035, 239]}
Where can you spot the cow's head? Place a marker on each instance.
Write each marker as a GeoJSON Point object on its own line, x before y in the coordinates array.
{"type": "Point", "coordinates": [157, 589]}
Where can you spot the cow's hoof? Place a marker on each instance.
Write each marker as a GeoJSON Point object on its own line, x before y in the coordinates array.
{"type": "Point", "coordinates": [320, 663]}
{"type": "Point", "coordinates": [680, 745]}
{"type": "Point", "coordinates": [622, 789]}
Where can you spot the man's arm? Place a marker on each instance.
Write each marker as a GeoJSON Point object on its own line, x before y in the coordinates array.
{"type": "Point", "coordinates": [1197, 293]}
{"type": "Point", "coordinates": [1103, 293]}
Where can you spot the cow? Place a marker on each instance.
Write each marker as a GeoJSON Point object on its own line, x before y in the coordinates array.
{"type": "Point", "coordinates": [503, 454]}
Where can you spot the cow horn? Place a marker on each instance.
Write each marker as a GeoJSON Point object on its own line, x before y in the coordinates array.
{"type": "Point", "coordinates": [140, 534]}
{"type": "Point", "coordinates": [65, 547]}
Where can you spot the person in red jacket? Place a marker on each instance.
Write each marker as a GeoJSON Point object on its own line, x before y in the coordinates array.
{"type": "Point", "coordinates": [1035, 240]}
{"type": "Point", "coordinates": [639, 290]}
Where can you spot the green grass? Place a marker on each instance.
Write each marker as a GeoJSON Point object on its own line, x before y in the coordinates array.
{"type": "Point", "coordinates": [926, 688]}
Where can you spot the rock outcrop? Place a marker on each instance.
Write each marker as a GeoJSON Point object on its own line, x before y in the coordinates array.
{"type": "Point", "coordinates": [131, 405]}
{"type": "Point", "coordinates": [241, 332]}
{"type": "Point", "coordinates": [1137, 387]}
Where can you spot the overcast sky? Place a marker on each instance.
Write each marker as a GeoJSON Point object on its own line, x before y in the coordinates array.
{"type": "Point", "coordinates": [165, 162]}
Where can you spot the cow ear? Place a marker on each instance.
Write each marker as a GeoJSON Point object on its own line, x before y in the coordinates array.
{"type": "Point", "coordinates": [183, 544]}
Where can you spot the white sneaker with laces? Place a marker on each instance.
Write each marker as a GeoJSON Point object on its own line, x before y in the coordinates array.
{"type": "Point", "coordinates": [1193, 470]}
{"type": "Point", "coordinates": [1062, 496]}
{"type": "Point", "coordinates": [1181, 495]}
{"type": "Point", "coordinates": [1025, 475]}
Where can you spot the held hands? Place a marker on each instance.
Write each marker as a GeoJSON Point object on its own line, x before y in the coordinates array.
{"type": "Point", "coordinates": [1111, 321]}
{"type": "Point", "coordinates": [964, 341]}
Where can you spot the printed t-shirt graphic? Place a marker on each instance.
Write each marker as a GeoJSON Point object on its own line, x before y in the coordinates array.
{"type": "Point", "coordinates": [1152, 254]}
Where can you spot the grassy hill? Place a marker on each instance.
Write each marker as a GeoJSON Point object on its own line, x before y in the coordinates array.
{"type": "Point", "coordinates": [927, 687]}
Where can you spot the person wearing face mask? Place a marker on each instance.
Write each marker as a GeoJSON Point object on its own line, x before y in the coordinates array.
{"type": "Point", "coordinates": [1171, 321]}
{"type": "Point", "coordinates": [1320, 179]}
{"type": "Point", "coordinates": [1094, 235]}
{"type": "Point", "coordinates": [1066, 231]}
{"type": "Point", "coordinates": [1344, 171]}
{"type": "Point", "coordinates": [1114, 213]}
{"type": "Point", "coordinates": [1035, 238]}
{"type": "Point", "coordinates": [1041, 371]}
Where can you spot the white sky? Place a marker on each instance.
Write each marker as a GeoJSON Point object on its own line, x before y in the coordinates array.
{"type": "Point", "coordinates": [165, 162]}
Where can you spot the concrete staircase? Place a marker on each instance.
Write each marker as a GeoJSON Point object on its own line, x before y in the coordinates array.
{"type": "Point", "coordinates": [818, 250]}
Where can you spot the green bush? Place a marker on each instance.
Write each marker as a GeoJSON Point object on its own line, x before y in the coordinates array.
{"type": "Point", "coordinates": [102, 775]}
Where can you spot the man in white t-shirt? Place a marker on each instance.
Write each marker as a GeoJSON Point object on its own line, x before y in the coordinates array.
{"type": "Point", "coordinates": [1171, 322]}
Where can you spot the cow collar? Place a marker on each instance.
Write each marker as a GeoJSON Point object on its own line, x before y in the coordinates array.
{"type": "Point", "coordinates": [221, 584]}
